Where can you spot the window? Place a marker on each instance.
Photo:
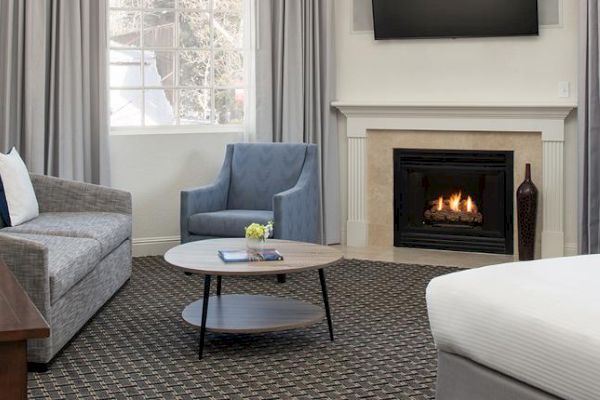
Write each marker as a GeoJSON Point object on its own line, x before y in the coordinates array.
{"type": "Point", "coordinates": [176, 63]}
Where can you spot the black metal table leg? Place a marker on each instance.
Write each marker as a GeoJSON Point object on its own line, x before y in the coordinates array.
{"type": "Point", "coordinates": [219, 279]}
{"type": "Point", "coordinates": [326, 301]}
{"type": "Point", "coordinates": [204, 314]}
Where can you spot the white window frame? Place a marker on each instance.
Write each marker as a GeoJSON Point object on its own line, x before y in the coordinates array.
{"type": "Point", "coordinates": [248, 7]}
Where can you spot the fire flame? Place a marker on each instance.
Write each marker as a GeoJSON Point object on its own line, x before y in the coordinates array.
{"type": "Point", "coordinates": [456, 203]}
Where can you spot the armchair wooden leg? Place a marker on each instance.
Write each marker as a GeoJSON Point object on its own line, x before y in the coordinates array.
{"type": "Point", "coordinates": [281, 278]}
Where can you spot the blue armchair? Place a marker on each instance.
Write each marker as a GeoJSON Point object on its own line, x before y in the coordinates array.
{"type": "Point", "coordinates": [258, 183]}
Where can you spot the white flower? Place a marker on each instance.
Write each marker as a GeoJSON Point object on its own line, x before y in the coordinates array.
{"type": "Point", "coordinates": [268, 229]}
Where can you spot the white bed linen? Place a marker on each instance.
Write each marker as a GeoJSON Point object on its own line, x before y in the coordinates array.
{"type": "Point", "coordinates": [537, 321]}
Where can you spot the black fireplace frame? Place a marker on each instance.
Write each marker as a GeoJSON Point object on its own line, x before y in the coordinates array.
{"type": "Point", "coordinates": [406, 235]}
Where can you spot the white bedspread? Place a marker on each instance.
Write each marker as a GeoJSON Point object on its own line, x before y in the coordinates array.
{"type": "Point", "coordinates": [538, 321]}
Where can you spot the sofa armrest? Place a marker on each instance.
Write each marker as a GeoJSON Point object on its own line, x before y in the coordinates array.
{"type": "Point", "coordinates": [297, 211]}
{"type": "Point", "coordinates": [28, 261]}
{"type": "Point", "coordinates": [60, 195]}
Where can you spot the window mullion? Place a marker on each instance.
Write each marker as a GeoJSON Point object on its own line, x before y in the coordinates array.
{"type": "Point", "coordinates": [176, 66]}
{"type": "Point", "coordinates": [176, 50]}
{"type": "Point", "coordinates": [213, 113]}
{"type": "Point", "coordinates": [142, 65]}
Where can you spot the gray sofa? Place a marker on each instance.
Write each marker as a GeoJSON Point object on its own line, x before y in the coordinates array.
{"type": "Point", "coordinates": [258, 182]}
{"type": "Point", "coordinates": [72, 258]}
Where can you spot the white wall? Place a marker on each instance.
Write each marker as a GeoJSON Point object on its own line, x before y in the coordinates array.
{"type": "Point", "coordinates": [154, 168]}
{"type": "Point", "coordinates": [471, 70]}
{"type": "Point", "coordinates": [455, 70]}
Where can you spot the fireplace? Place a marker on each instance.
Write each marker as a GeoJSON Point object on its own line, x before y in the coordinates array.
{"type": "Point", "coordinates": [454, 200]}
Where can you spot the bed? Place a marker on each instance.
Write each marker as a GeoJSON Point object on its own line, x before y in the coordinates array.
{"type": "Point", "coordinates": [524, 330]}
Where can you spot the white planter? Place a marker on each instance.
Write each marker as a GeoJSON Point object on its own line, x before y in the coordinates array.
{"type": "Point", "coordinates": [255, 244]}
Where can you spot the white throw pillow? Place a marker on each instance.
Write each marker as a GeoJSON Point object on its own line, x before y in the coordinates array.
{"type": "Point", "coordinates": [20, 196]}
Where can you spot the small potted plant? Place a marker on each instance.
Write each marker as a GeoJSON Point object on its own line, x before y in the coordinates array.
{"type": "Point", "coordinates": [257, 235]}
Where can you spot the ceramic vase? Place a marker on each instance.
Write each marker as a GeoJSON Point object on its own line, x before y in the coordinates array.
{"type": "Point", "coordinates": [255, 245]}
{"type": "Point", "coordinates": [527, 197]}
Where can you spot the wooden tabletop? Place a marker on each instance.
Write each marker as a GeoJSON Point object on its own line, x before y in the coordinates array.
{"type": "Point", "coordinates": [201, 257]}
{"type": "Point", "coordinates": [19, 318]}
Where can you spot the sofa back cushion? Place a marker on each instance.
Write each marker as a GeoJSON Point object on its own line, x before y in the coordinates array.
{"type": "Point", "coordinates": [261, 170]}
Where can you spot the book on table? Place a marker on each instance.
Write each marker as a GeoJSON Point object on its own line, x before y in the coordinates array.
{"type": "Point", "coordinates": [231, 256]}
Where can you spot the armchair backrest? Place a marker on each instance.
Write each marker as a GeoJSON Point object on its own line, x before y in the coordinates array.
{"type": "Point", "coordinates": [261, 170]}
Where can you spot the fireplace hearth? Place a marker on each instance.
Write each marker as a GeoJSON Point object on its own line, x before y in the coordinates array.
{"type": "Point", "coordinates": [454, 200]}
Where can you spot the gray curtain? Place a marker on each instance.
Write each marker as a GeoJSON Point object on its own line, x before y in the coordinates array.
{"type": "Point", "coordinates": [295, 84]}
{"type": "Point", "coordinates": [589, 129]}
{"type": "Point", "coordinates": [53, 92]}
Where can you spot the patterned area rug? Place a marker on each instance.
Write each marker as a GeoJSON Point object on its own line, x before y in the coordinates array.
{"type": "Point", "coordinates": [138, 346]}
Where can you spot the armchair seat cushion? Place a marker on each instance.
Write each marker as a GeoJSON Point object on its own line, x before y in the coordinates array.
{"type": "Point", "coordinates": [69, 260]}
{"type": "Point", "coordinates": [226, 223]}
{"type": "Point", "coordinates": [108, 229]}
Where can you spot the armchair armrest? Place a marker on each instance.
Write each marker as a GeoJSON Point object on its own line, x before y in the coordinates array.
{"type": "Point", "coordinates": [60, 195]}
{"type": "Point", "coordinates": [297, 211]}
{"type": "Point", "coordinates": [28, 261]}
{"type": "Point", "coordinates": [203, 199]}
{"type": "Point", "coordinates": [208, 198]}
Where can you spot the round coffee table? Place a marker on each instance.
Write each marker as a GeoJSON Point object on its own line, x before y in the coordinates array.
{"type": "Point", "coordinates": [240, 313]}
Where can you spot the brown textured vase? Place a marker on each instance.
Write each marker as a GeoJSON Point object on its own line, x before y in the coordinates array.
{"type": "Point", "coordinates": [527, 196]}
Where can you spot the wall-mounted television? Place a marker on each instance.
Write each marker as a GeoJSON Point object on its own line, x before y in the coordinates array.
{"type": "Point", "coordinates": [404, 19]}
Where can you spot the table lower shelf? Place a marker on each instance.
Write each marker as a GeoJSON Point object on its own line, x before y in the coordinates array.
{"type": "Point", "coordinates": [240, 313]}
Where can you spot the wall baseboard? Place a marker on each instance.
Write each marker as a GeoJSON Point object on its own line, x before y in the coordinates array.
{"type": "Point", "coordinates": [153, 246]}
{"type": "Point", "coordinates": [571, 249]}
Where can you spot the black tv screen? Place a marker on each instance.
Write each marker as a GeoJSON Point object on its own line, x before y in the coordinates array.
{"type": "Point", "coordinates": [394, 19]}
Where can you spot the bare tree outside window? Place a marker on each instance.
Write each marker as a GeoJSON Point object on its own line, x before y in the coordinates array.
{"type": "Point", "coordinates": [176, 62]}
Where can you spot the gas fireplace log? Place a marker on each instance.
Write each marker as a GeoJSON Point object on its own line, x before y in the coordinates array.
{"type": "Point", "coordinates": [446, 206]}
{"type": "Point", "coordinates": [449, 216]}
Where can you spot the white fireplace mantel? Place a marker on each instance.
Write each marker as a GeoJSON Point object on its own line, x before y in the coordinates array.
{"type": "Point", "coordinates": [548, 119]}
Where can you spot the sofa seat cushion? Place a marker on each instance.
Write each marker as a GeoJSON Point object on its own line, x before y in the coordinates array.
{"type": "Point", "coordinates": [109, 229]}
{"type": "Point", "coordinates": [226, 223]}
{"type": "Point", "coordinates": [69, 260]}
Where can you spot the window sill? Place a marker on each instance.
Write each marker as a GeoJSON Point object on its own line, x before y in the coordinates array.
{"type": "Point", "coordinates": [177, 130]}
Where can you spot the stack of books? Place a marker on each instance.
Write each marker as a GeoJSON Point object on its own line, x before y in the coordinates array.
{"type": "Point", "coordinates": [232, 256]}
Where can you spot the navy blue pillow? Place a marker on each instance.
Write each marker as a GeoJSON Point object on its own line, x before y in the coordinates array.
{"type": "Point", "coordinates": [4, 215]}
